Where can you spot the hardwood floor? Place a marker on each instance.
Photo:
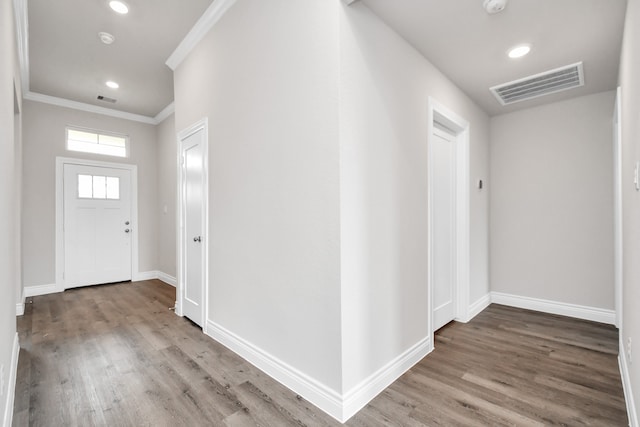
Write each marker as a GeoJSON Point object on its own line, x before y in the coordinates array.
{"type": "Point", "coordinates": [115, 355]}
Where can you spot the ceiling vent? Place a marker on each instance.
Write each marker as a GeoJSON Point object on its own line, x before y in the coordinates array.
{"type": "Point", "coordinates": [106, 99]}
{"type": "Point", "coordinates": [546, 83]}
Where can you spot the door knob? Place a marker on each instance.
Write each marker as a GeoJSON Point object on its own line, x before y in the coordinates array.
{"type": "Point", "coordinates": [127, 230]}
{"type": "Point", "coordinates": [197, 239]}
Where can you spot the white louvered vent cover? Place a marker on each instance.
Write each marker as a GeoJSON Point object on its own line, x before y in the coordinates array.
{"type": "Point", "coordinates": [546, 83]}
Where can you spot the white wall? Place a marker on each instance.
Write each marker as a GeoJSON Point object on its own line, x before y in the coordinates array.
{"type": "Point", "coordinates": [318, 183]}
{"type": "Point", "coordinates": [552, 202]}
{"type": "Point", "coordinates": [629, 71]}
{"type": "Point", "coordinates": [9, 195]}
{"type": "Point", "coordinates": [385, 86]}
{"type": "Point", "coordinates": [167, 193]}
{"type": "Point", "coordinates": [43, 140]}
{"type": "Point", "coordinates": [266, 77]}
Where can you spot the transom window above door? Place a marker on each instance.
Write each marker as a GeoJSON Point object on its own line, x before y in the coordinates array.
{"type": "Point", "coordinates": [98, 187]}
{"type": "Point", "coordinates": [87, 141]}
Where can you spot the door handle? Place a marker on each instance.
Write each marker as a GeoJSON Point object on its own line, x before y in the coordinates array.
{"type": "Point", "coordinates": [127, 230]}
{"type": "Point", "coordinates": [197, 239]}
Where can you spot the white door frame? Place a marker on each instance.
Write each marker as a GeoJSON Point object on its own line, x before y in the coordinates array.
{"type": "Point", "coordinates": [59, 263]}
{"type": "Point", "coordinates": [617, 206]}
{"type": "Point", "coordinates": [460, 127]}
{"type": "Point", "coordinates": [203, 125]}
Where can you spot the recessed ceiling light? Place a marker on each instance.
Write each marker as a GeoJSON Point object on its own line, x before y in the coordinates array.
{"type": "Point", "coordinates": [519, 51]}
{"type": "Point", "coordinates": [119, 6]}
{"type": "Point", "coordinates": [106, 38]}
{"type": "Point", "coordinates": [112, 85]}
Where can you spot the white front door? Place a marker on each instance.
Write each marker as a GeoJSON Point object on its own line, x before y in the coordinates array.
{"type": "Point", "coordinates": [443, 150]}
{"type": "Point", "coordinates": [97, 225]}
{"type": "Point", "coordinates": [193, 236]}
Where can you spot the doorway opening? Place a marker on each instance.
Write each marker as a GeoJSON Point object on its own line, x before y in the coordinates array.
{"type": "Point", "coordinates": [448, 187]}
{"type": "Point", "coordinates": [193, 232]}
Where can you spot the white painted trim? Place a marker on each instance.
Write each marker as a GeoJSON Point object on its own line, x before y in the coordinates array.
{"type": "Point", "coordinates": [166, 278]}
{"type": "Point", "coordinates": [144, 275]}
{"type": "Point", "coordinates": [340, 407]}
{"type": "Point", "coordinates": [59, 255]}
{"type": "Point", "coordinates": [21, 15]}
{"type": "Point", "coordinates": [461, 127]}
{"type": "Point", "coordinates": [155, 274]}
{"type": "Point", "coordinates": [165, 113]}
{"type": "Point", "coordinates": [202, 124]}
{"type": "Point", "coordinates": [206, 22]}
{"type": "Point", "coordinates": [617, 207]}
{"type": "Point", "coordinates": [553, 307]}
{"type": "Point", "coordinates": [34, 291]}
{"type": "Point", "coordinates": [325, 398]}
{"type": "Point", "coordinates": [75, 105]}
{"type": "Point", "coordinates": [632, 413]}
{"type": "Point", "coordinates": [20, 305]}
{"type": "Point", "coordinates": [11, 383]}
{"type": "Point", "coordinates": [356, 398]}
{"type": "Point", "coordinates": [478, 306]}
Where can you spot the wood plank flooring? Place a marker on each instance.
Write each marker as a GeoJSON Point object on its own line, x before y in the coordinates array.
{"type": "Point", "coordinates": [115, 355]}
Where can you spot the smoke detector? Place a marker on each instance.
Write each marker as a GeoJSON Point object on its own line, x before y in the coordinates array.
{"type": "Point", "coordinates": [494, 6]}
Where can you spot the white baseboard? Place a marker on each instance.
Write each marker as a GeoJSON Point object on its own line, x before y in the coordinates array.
{"type": "Point", "coordinates": [315, 392]}
{"type": "Point", "coordinates": [11, 384]}
{"type": "Point", "coordinates": [20, 308]}
{"type": "Point", "coordinates": [340, 407]}
{"type": "Point", "coordinates": [626, 385]}
{"type": "Point", "coordinates": [564, 309]}
{"type": "Point", "coordinates": [34, 291]}
{"type": "Point", "coordinates": [356, 398]}
{"type": "Point", "coordinates": [477, 307]}
{"type": "Point", "coordinates": [166, 278]}
{"type": "Point", "coordinates": [144, 275]}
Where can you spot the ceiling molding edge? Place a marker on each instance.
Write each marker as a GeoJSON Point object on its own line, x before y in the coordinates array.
{"type": "Point", "coordinates": [209, 18]}
{"type": "Point", "coordinates": [162, 115]}
{"type": "Point", "coordinates": [349, 2]}
{"type": "Point", "coordinates": [61, 102]}
{"type": "Point", "coordinates": [21, 16]}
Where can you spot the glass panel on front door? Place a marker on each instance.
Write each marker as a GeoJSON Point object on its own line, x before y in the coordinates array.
{"type": "Point", "coordinates": [98, 187]}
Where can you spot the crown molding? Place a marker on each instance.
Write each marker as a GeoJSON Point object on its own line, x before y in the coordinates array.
{"type": "Point", "coordinates": [22, 41]}
{"type": "Point", "coordinates": [162, 115]}
{"type": "Point", "coordinates": [208, 19]}
{"type": "Point", "coordinates": [61, 102]}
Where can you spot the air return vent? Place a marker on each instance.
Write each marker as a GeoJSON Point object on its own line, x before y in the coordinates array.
{"type": "Point", "coordinates": [546, 83]}
{"type": "Point", "coordinates": [106, 99]}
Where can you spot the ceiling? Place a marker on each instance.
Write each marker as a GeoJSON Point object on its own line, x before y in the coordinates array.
{"type": "Point", "coordinates": [470, 46]}
{"type": "Point", "coordinates": [67, 59]}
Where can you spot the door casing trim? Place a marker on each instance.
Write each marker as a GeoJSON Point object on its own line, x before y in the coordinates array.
{"type": "Point", "coordinates": [59, 238]}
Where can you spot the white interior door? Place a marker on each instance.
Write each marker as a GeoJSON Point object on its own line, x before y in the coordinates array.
{"type": "Point", "coordinates": [443, 150]}
{"type": "Point", "coordinates": [193, 235]}
{"type": "Point", "coordinates": [97, 225]}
